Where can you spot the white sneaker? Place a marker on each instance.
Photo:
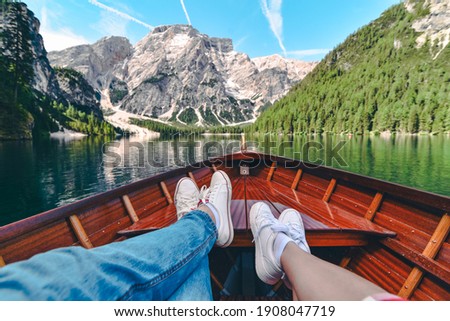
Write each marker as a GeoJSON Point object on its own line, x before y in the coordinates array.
{"type": "Point", "coordinates": [296, 232]}
{"type": "Point", "coordinates": [186, 196]}
{"type": "Point", "coordinates": [218, 195]}
{"type": "Point", "coordinates": [265, 228]}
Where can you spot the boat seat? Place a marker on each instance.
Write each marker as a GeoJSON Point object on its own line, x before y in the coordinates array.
{"type": "Point", "coordinates": [325, 224]}
{"type": "Point", "coordinates": [321, 219]}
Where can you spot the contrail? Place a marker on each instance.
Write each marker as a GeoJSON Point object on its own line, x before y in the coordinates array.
{"type": "Point", "coordinates": [272, 11]}
{"type": "Point", "coordinates": [120, 14]}
{"type": "Point", "coordinates": [185, 12]}
{"type": "Point", "coordinates": [308, 52]}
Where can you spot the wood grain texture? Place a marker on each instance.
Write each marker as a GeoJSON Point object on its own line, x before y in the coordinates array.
{"type": "Point", "coordinates": [157, 220]}
{"type": "Point", "coordinates": [374, 206]}
{"type": "Point", "coordinates": [329, 191]}
{"type": "Point", "coordinates": [55, 235]}
{"type": "Point", "coordinates": [320, 211]}
{"type": "Point", "coordinates": [297, 178]}
{"type": "Point", "coordinates": [430, 251]}
{"type": "Point", "coordinates": [425, 263]}
{"type": "Point", "coordinates": [80, 232]}
{"type": "Point", "coordinates": [315, 238]}
{"type": "Point", "coordinates": [129, 207]}
{"type": "Point", "coordinates": [166, 192]}
{"type": "Point", "coordinates": [271, 171]}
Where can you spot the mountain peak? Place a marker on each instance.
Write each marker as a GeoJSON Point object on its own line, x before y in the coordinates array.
{"type": "Point", "coordinates": [177, 28]}
{"type": "Point", "coordinates": [178, 74]}
{"type": "Point", "coordinates": [112, 39]}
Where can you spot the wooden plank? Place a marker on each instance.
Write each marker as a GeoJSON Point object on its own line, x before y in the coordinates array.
{"type": "Point", "coordinates": [438, 270]}
{"type": "Point", "coordinates": [438, 237]}
{"type": "Point", "coordinates": [374, 206]}
{"type": "Point", "coordinates": [330, 190]}
{"type": "Point", "coordinates": [80, 232]}
{"type": "Point", "coordinates": [297, 179]}
{"type": "Point", "coordinates": [2, 261]}
{"type": "Point", "coordinates": [166, 192]}
{"type": "Point", "coordinates": [271, 171]}
{"type": "Point", "coordinates": [191, 176]}
{"type": "Point", "coordinates": [316, 238]}
{"type": "Point", "coordinates": [155, 221]}
{"type": "Point", "coordinates": [345, 261]}
{"type": "Point", "coordinates": [55, 235]}
{"type": "Point", "coordinates": [108, 233]}
{"type": "Point", "coordinates": [430, 251]}
{"type": "Point", "coordinates": [323, 212]}
{"type": "Point", "coordinates": [130, 209]}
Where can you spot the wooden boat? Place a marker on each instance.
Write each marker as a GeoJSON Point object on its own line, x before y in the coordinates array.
{"type": "Point", "coordinates": [394, 236]}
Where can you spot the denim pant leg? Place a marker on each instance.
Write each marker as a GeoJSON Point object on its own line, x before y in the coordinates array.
{"type": "Point", "coordinates": [197, 287]}
{"type": "Point", "coordinates": [152, 266]}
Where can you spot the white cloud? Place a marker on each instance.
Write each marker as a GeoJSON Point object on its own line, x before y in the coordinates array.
{"type": "Point", "coordinates": [185, 12]}
{"type": "Point", "coordinates": [120, 14]}
{"type": "Point", "coordinates": [111, 25]}
{"type": "Point", "coordinates": [58, 39]}
{"type": "Point", "coordinates": [272, 11]}
{"type": "Point", "coordinates": [307, 52]}
{"type": "Point", "coordinates": [239, 42]}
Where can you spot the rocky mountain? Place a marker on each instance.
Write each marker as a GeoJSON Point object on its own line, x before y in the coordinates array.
{"type": "Point", "coordinates": [96, 62]}
{"type": "Point", "coordinates": [178, 74]}
{"type": "Point", "coordinates": [296, 69]}
{"type": "Point", "coordinates": [75, 89]}
{"type": "Point", "coordinates": [34, 99]}
{"type": "Point", "coordinates": [392, 75]}
{"type": "Point", "coordinates": [434, 26]}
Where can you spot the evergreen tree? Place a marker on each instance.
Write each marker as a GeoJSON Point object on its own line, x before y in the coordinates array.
{"type": "Point", "coordinates": [18, 55]}
{"type": "Point", "coordinates": [369, 84]}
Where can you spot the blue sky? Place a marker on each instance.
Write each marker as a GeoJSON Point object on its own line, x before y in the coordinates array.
{"type": "Point", "coordinates": [302, 29]}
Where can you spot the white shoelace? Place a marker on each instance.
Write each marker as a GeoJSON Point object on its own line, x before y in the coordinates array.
{"type": "Point", "coordinates": [207, 193]}
{"type": "Point", "coordinates": [292, 230]}
{"type": "Point", "coordinates": [204, 192]}
{"type": "Point", "coordinates": [276, 227]}
{"type": "Point", "coordinates": [295, 232]}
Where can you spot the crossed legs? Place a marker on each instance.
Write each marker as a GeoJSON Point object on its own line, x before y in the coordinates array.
{"type": "Point", "coordinates": [281, 248]}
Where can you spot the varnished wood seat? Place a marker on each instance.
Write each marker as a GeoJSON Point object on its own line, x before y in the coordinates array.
{"type": "Point", "coordinates": [325, 224]}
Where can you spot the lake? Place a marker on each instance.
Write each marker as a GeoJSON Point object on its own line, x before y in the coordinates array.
{"type": "Point", "coordinates": [43, 174]}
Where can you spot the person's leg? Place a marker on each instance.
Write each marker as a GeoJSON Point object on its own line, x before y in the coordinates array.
{"type": "Point", "coordinates": [154, 266]}
{"type": "Point", "coordinates": [197, 287]}
{"type": "Point", "coordinates": [314, 279]}
{"type": "Point", "coordinates": [148, 267]}
{"type": "Point", "coordinates": [282, 252]}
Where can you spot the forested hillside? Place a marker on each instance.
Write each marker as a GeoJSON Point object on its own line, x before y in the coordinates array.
{"type": "Point", "coordinates": [377, 80]}
{"type": "Point", "coordinates": [34, 100]}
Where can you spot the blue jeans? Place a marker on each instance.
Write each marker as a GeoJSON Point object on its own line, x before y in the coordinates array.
{"type": "Point", "coordinates": [169, 264]}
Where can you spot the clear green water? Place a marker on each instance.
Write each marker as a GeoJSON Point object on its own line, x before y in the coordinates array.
{"type": "Point", "coordinates": [41, 175]}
